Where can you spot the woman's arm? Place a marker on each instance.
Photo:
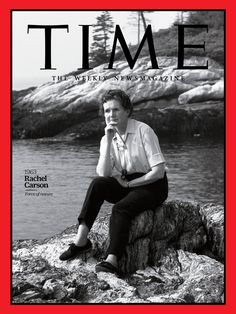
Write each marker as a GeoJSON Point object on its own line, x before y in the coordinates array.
{"type": "Point", "coordinates": [157, 172]}
{"type": "Point", "coordinates": [104, 163]}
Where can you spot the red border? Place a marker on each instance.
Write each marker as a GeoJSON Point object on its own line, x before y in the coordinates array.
{"type": "Point", "coordinates": [5, 182]}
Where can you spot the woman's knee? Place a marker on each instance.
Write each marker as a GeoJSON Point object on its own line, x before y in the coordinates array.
{"type": "Point", "coordinates": [100, 181]}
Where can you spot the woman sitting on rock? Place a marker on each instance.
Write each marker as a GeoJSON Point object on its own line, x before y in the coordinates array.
{"type": "Point", "coordinates": [132, 176]}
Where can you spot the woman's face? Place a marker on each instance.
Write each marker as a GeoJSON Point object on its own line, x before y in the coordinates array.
{"type": "Point", "coordinates": [115, 114]}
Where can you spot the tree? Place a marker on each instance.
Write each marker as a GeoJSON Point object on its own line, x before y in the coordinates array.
{"type": "Point", "coordinates": [136, 19]}
{"type": "Point", "coordinates": [214, 19]}
{"type": "Point", "coordinates": [100, 47]}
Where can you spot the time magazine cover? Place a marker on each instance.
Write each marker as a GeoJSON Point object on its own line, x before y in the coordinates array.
{"type": "Point", "coordinates": [118, 157]}
{"type": "Point", "coordinates": [171, 65]}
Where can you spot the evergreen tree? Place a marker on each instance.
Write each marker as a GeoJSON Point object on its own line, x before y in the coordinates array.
{"type": "Point", "coordinates": [214, 19]}
{"type": "Point", "coordinates": [100, 48]}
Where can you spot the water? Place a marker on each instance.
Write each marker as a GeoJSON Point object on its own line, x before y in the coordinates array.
{"type": "Point", "coordinates": [196, 172]}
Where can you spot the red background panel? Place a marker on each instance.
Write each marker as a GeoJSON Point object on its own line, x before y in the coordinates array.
{"type": "Point", "coordinates": [5, 153]}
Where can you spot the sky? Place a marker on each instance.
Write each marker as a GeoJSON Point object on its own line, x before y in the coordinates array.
{"type": "Point", "coordinates": [28, 48]}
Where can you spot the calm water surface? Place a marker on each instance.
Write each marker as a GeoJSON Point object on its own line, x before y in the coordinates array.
{"type": "Point", "coordinates": [195, 172]}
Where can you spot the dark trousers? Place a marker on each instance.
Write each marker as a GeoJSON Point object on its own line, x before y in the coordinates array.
{"type": "Point", "coordinates": [129, 202]}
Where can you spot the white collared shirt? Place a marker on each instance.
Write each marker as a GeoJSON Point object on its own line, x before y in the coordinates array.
{"type": "Point", "coordinates": [140, 152]}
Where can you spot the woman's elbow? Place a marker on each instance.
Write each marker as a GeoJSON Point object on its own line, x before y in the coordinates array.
{"type": "Point", "coordinates": [163, 169]}
{"type": "Point", "coordinates": [102, 173]}
{"type": "Point", "coordinates": [159, 170]}
{"type": "Point", "coordinates": [99, 172]}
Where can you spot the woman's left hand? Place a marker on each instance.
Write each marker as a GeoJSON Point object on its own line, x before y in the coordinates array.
{"type": "Point", "coordinates": [121, 182]}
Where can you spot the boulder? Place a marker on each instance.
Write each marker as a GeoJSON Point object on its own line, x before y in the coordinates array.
{"type": "Point", "coordinates": [174, 224]}
{"type": "Point", "coordinates": [203, 93]}
{"type": "Point", "coordinates": [213, 221]}
{"type": "Point", "coordinates": [182, 277]}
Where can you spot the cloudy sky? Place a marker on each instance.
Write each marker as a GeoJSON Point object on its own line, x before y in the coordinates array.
{"type": "Point", "coordinates": [28, 49]}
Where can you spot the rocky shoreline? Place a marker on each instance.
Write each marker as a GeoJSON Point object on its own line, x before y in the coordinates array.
{"type": "Point", "coordinates": [175, 254]}
{"type": "Point", "coordinates": [184, 102]}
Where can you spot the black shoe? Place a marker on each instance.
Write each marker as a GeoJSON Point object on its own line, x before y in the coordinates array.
{"type": "Point", "coordinates": [75, 250]}
{"type": "Point", "coordinates": [105, 267]}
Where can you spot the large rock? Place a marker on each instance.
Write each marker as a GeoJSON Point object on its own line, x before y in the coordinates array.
{"type": "Point", "coordinates": [177, 224]}
{"type": "Point", "coordinates": [177, 276]}
{"type": "Point", "coordinates": [213, 220]}
{"type": "Point", "coordinates": [181, 225]}
{"type": "Point", "coordinates": [54, 107]}
{"type": "Point", "coordinates": [182, 277]}
{"type": "Point", "coordinates": [203, 93]}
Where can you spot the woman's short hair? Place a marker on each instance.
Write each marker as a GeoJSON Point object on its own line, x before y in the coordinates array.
{"type": "Point", "coordinates": [120, 96]}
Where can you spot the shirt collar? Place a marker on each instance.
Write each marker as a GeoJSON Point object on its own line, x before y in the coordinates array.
{"type": "Point", "coordinates": [130, 126]}
{"type": "Point", "coordinates": [129, 129]}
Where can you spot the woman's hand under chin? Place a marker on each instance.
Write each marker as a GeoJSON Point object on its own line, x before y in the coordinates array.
{"type": "Point", "coordinates": [110, 131]}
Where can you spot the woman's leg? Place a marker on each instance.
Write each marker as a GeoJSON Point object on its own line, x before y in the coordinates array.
{"type": "Point", "coordinates": [100, 189]}
{"type": "Point", "coordinates": [136, 201]}
{"type": "Point", "coordinates": [112, 259]}
{"type": "Point", "coordinates": [81, 237]}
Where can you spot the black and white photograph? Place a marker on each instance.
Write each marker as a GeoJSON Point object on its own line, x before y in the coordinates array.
{"type": "Point", "coordinates": [118, 157]}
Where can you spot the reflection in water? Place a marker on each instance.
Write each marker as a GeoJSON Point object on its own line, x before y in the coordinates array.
{"type": "Point", "coordinates": [195, 172]}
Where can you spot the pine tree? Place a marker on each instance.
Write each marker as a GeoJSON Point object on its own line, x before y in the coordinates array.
{"type": "Point", "coordinates": [100, 48]}
{"type": "Point", "coordinates": [214, 19]}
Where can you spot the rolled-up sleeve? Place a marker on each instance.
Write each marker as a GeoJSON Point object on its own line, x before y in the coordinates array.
{"type": "Point", "coordinates": [152, 147]}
